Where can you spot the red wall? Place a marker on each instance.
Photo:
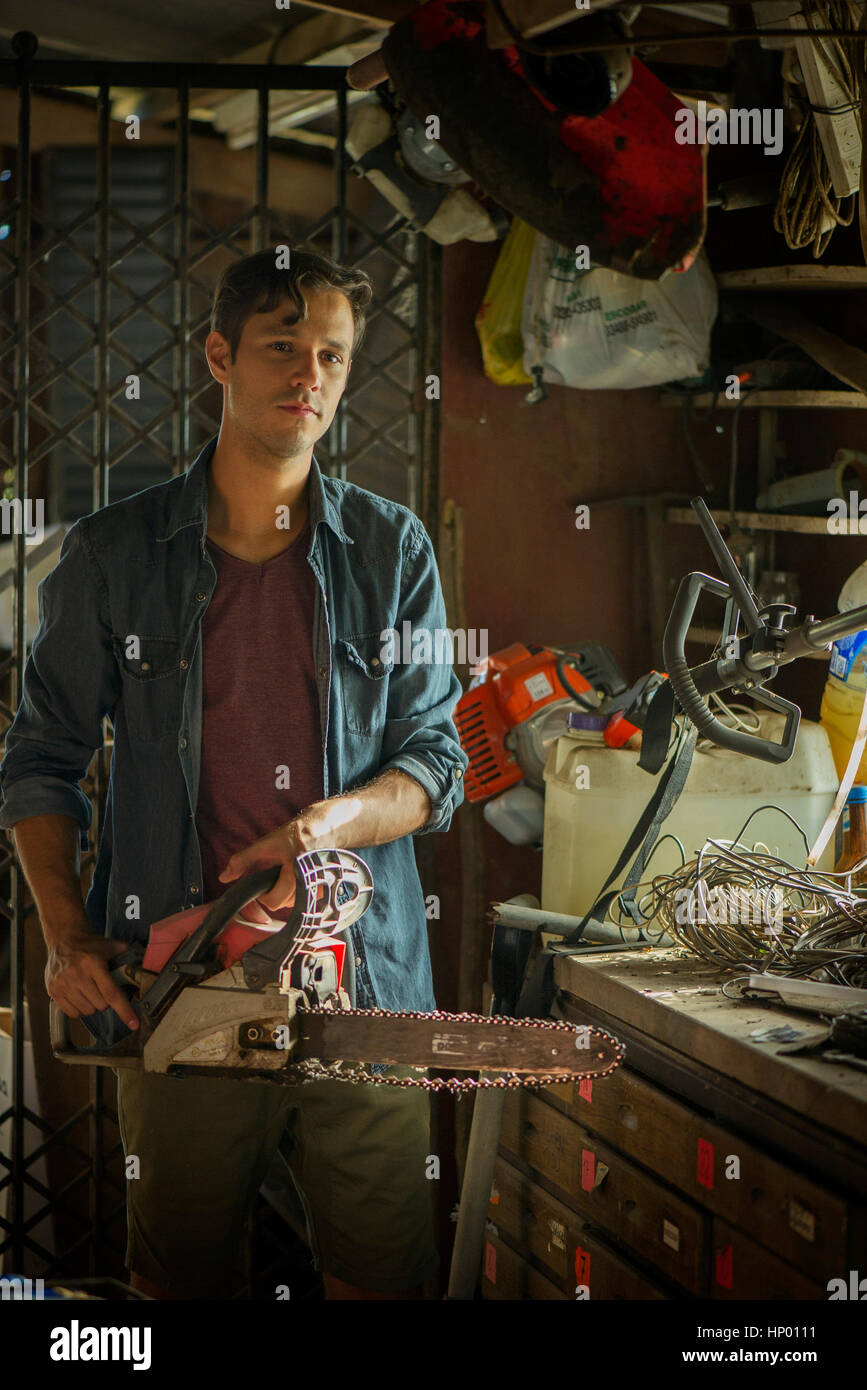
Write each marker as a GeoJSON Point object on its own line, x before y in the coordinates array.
{"type": "Point", "coordinates": [518, 471]}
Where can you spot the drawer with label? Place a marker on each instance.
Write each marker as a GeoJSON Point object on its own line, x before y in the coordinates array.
{"type": "Point", "coordinates": [742, 1269]}
{"type": "Point", "coordinates": [608, 1190]}
{"type": "Point", "coordinates": [791, 1215]}
{"type": "Point", "coordinates": [535, 1222]}
{"type": "Point", "coordinates": [506, 1276]}
{"type": "Point", "coordinates": [593, 1270]}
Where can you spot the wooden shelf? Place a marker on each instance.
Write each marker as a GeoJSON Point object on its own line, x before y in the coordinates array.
{"type": "Point", "coordinates": [764, 521]}
{"type": "Point", "coordinates": [795, 277]}
{"type": "Point", "coordinates": [783, 400]}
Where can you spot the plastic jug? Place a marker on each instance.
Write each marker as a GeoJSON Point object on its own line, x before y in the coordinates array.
{"type": "Point", "coordinates": [843, 698]}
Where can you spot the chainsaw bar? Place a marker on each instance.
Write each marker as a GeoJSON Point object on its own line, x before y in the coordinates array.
{"type": "Point", "coordinates": [335, 1043]}
{"type": "Point", "coordinates": [278, 1014]}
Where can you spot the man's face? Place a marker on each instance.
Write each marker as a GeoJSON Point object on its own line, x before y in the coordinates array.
{"type": "Point", "coordinates": [283, 361]}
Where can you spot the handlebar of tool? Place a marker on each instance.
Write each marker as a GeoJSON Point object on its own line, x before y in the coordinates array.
{"type": "Point", "coordinates": [769, 645]}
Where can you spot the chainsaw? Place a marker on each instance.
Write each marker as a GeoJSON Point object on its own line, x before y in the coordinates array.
{"type": "Point", "coordinates": [218, 994]}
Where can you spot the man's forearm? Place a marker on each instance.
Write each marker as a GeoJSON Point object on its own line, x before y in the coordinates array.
{"type": "Point", "coordinates": [48, 851]}
{"type": "Point", "coordinates": [389, 807]}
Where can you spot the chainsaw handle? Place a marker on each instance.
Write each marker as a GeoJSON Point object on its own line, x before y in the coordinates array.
{"type": "Point", "coordinates": [62, 1046]}
{"type": "Point", "coordinates": [691, 700]}
{"type": "Point", "coordinates": [579, 697]}
{"type": "Point", "coordinates": [596, 665]}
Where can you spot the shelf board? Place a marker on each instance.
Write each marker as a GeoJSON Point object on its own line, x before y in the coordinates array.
{"type": "Point", "coordinates": [784, 400]}
{"type": "Point", "coordinates": [766, 521]}
{"type": "Point", "coordinates": [795, 277]}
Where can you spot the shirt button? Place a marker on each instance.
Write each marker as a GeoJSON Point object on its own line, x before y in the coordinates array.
{"type": "Point", "coordinates": [459, 772]}
{"type": "Point", "coordinates": [146, 666]}
{"type": "Point", "coordinates": [323, 670]}
{"type": "Point", "coordinates": [194, 890]}
{"type": "Point", "coordinates": [200, 597]}
{"type": "Point", "coordinates": [183, 743]}
{"type": "Point", "coordinates": [374, 661]}
{"type": "Point", "coordinates": [358, 960]}
{"type": "Point", "coordinates": [184, 665]}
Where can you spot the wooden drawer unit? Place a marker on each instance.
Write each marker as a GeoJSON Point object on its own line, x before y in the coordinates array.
{"type": "Point", "coordinates": [506, 1276]}
{"type": "Point", "coordinates": [792, 1216]}
{"type": "Point", "coordinates": [557, 1237]}
{"type": "Point", "coordinates": [743, 1269]}
{"type": "Point", "coordinates": [608, 1190]}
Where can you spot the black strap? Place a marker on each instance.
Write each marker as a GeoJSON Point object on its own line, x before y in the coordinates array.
{"type": "Point", "coordinates": [655, 722]}
{"type": "Point", "coordinates": [539, 990]}
{"type": "Point", "coordinates": [656, 734]}
{"type": "Point", "coordinates": [667, 791]}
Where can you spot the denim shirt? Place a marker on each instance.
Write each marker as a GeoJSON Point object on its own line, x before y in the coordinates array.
{"type": "Point", "coordinates": [141, 567]}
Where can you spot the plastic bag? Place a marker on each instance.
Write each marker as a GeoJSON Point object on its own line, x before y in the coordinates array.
{"type": "Point", "coordinates": [498, 321]}
{"type": "Point", "coordinates": [600, 330]}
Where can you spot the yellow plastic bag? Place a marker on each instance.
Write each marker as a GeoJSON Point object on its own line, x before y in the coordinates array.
{"type": "Point", "coordinates": [498, 321]}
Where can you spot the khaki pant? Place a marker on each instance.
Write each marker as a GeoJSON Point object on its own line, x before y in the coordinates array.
{"type": "Point", "coordinates": [358, 1159]}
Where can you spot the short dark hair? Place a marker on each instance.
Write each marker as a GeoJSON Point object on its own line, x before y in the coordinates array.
{"type": "Point", "coordinates": [255, 284]}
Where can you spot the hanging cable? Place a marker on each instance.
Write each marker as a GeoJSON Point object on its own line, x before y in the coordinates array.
{"type": "Point", "coordinates": [806, 200]}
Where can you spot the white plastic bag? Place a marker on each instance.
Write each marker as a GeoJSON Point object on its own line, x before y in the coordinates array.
{"type": "Point", "coordinates": [600, 330]}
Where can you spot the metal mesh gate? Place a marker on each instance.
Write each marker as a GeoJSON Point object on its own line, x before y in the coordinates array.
{"type": "Point", "coordinates": [109, 249]}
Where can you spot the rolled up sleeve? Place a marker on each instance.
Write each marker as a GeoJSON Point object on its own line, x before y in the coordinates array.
{"type": "Point", "coordinates": [420, 737]}
{"type": "Point", "coordinates": [71, 681]}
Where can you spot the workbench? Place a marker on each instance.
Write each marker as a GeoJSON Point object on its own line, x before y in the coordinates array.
{"type": "Point", "coordinates": [710, 1165]}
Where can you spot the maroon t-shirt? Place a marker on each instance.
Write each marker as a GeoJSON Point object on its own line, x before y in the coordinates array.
{"type": "Point", "coordinates": [260, 707]}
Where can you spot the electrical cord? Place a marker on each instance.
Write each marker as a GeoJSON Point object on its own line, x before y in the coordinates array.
{"type": "Point", "coordinates": [806, 197]}
{"type": "Point", "coordinates": [733, 466]}
{"type": "Point", "coordinates": [710, 906]}
{"type": "Point", "coordinates": [698, 462]}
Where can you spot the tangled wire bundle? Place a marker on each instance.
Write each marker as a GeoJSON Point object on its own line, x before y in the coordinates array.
{"type": "Point", "coordinates": [807, 208]}
{"type": "Point", "coordinates": [742, 907]}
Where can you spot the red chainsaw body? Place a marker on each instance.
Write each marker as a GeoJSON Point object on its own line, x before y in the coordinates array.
{"type": "Point", "coordinates": [168, 933]}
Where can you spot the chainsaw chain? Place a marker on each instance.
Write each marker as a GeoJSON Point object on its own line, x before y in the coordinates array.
{"type": "Point", "coordinates": [315, 1070]}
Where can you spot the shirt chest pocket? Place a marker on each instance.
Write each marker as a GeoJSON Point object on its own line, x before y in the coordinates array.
{"type": "Point", "coordinates": [364, 673]}
{"type": "Point", "coordinates": [151, 695]}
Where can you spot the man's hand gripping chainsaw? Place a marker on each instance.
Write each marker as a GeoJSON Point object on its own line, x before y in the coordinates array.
{"type": "Point", "coordinates": [278, 1012]}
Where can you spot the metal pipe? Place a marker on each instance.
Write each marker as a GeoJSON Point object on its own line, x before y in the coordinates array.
{"type": "Point", "coordinates": [101, 498]}
{"type": "Point", "coordinates": [261, 219]}
{"type": "Point", "coordinates": [838, 625]}
{"type": "Point", "coordinates": [19, 629]}
{"type": "Point", "coordinates": [74, 72]}
{"type": "Point", "coordinates": [559, 923]}
{"type": "Point", "coordinates": [730, 572]}
{"type": "Point", "coordinates": [476, 1190]}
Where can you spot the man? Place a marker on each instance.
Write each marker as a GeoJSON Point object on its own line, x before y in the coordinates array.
{"type": "Point", "coordinates": [230, 622]}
